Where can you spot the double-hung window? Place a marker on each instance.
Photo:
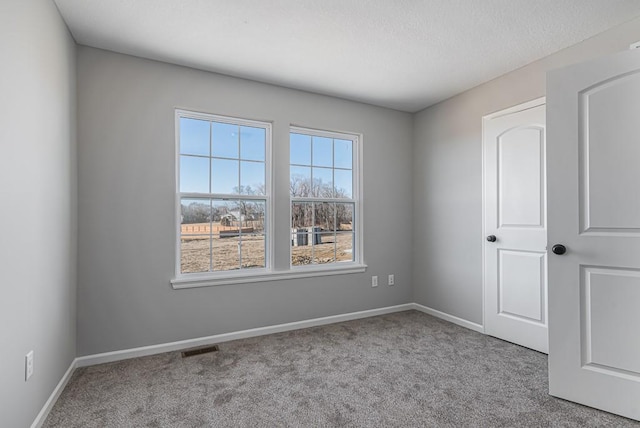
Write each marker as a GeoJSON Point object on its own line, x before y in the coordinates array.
{"type": "Point", "coordinates": [324, 198]}
{"type": "Point", "coordinates": [223, 200]}
{"type": "Point", "coordinates": [224, 197]}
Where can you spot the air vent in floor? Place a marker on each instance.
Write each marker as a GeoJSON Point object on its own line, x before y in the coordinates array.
{"type": "Point", "coordinates": [200, 351]}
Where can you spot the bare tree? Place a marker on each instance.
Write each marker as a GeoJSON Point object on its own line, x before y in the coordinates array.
{"type": "Point", "coordinates": [196, 212]}
{"type": "Point", "coordinates": [327, 215]}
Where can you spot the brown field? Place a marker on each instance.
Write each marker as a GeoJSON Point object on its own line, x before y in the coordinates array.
{"type": "Point", "coordinates": [332, 249]}
{"type": "Point", "coordinates": [198, 251]}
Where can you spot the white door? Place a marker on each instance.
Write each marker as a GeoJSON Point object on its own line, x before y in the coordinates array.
{"type": "Point", "coordinates": [593, 119]}
{"type": "Point", "coordinates": [515, 226]}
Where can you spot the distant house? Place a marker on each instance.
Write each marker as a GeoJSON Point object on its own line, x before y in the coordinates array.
{"type": "Point", "coordinates": [232, 217]}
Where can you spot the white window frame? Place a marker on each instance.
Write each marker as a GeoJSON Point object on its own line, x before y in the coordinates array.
{"type": "Point", "coordinates": [230, 276]}
{"type": "Point", "coordinates": [269, 273]}
{"type": "Point", "coordinates": [356, 199]}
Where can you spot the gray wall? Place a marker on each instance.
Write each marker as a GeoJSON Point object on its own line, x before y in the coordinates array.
{"type": "Point", "coordinates": [126, 204]}
{"type": "Point", "coordinates": [37, 219]}
{"type": "Point", "coordinates": [447, 174]}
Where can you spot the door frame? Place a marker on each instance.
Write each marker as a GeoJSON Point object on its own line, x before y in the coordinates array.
{"type": "Point", "coordinates": [513, 109]}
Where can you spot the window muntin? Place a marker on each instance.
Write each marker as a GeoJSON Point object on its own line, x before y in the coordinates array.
{"type": "Point", "coordinates": [223, 193]}
{"type": "Point", "coordinates": [323, 199]}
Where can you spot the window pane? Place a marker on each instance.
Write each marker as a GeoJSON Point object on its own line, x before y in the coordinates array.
{"type": "Point", "coordinates": [322, 151]}
{"type": "Point", "coordinates": [252, 143]}
{"type": "Point", "coordinates": [194, 136]}
{"type": "Point", "coordinates": [324, 225]}
{"type": "Point", "coordinates": [344, 247]}
{"type": "Point", "coordinates": [324, 216]}
{"type": "Point", "coordinates": [195, 254]}
{"type": "Point", "coordinates": [343, 183]}
{"type": "Point", "coordinates": [252, 178]}
{"type": "Point", "coordinates": [300, 149]}
{"type": "Point", "coordinates": [301, 216]}
{"type": "Point", "coordinates": [301, 254]}
{"type": "Point", "coordinates": [252, 215]}
{"type": "Point", "coordinates": [300, 181]}
{"type": "Point", "coordinates": [343, 154]}
{"type": "Point", "coordinates": [224, 176]}
{"type": "Point", "coordinates": [195, 216]}
{"type": "Point", "coordinates": [253, 250]}
{"type": "Point", "coordinates": [228, 157]}
{"type": "Point", "coordinates": [344, 216]}
{"type": "Point", "coordinates": [226, 244]}
{"type": "Point", "coordinates": [226, 250]}
{"type": "Point", "coordinates": [234, 213]}
{"type": "Point", "coordinates": [224, 140]}
{"type": "Point", "coordinates": [322, 182]}
{"type": "Point", "coordinates": [324, 249]}
{"type": "Point", "coordinates": [226, 215]}
{"type": "Point", "coordinates": [194, 174]}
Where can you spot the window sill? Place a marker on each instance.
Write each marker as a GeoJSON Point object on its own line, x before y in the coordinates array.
{"type": "Point", "coordinates": [262, 275]}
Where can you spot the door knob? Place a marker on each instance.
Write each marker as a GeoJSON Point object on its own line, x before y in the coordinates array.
{"type": "Point", "coordinates": [492, 238]}
{"type": "Point", "coordinates": [559, 249]}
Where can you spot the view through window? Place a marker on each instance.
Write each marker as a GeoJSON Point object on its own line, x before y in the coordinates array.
{"type": "Point", "coordinates": [323, 202]}
{"type": "Point", "coordinates": [223, 193]}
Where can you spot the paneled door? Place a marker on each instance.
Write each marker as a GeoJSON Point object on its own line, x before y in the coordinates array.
{"type": "Point", "coordinates": [515, 255]}
{"type": "Point", "coordinates": [593, 118]}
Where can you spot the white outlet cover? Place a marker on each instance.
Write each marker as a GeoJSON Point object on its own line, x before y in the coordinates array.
{"type": "Point", "coordinates": [635, 45]}
{"type": "Point", "coordinates": [28, 365]}
{"type": "Point", "coordinates": [374, 281]}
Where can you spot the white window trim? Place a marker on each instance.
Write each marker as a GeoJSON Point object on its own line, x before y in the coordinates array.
{"type": "Point", "coordinates": [208, 279]}
{"type": "Point", "coordinates": [184, 279]}
{"type": "Point", "coordinates": [248, 276]}
{"type": "Point", "coordinates": [358, 262]}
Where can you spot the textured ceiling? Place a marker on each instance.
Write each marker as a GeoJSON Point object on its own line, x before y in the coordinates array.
{"type": "Point", "coordinates": [402, 54]}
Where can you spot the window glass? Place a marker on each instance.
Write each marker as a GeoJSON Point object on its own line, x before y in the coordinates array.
{"type": "Point", "coordinates": [225, 176]}
{"type": "Point", "coordinates": [252, 143]}
{"type": "Point", "coordinates": [223, 194]}
{"type": "Point", "coordinates": [194, 136]}
{"type": "Point", "coordinates": [194, 174]}
{"type": "Point", "coordinates": [343, 154]}
{"type": "Point", "coordinates": [322, 198]}
{"type": "Point", "coordinates": [322, 151]}
{"type": "Point", "coordinates": [252, 178]}
{"type": "Point", "coordinates": [225, 140]}
{"type": "Point", "coordinates": [300, 149]}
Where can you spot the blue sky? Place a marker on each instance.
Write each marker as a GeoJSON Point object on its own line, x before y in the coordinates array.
{"type": "Point", "coordinates": [319, 156]}
{"type": "Point", "coordinates": [242, 146]}
{"type": "Point", "coordinates": [218, 157]}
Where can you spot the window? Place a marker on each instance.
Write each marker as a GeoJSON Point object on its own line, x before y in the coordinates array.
{"type": "Point", "coordinates": [224, 202]}
{"type": "Point", "coordinates": [324, 197]}
{"type": "Point", "coordinates": [223, 199]}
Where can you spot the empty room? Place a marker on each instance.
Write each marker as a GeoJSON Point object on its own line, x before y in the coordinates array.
{"type": "Point", "coordinates": [320, 213]}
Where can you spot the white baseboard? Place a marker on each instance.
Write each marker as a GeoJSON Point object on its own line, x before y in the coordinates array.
{"type": "Point", "coordinates": [108, 357]}
{"type": "Point", "coordinates": [44, 412]}
{"type": "Point", "coordinates": [453, 319]}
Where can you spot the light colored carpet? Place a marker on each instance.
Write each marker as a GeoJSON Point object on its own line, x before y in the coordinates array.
{"type": "Point", "coordinates": [400, 370]}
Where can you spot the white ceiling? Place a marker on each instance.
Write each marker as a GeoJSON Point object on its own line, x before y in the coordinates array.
{"type": "Point", "coordinates": [402, 54]}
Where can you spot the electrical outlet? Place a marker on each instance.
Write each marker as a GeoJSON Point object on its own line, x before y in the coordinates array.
{"type": "Point", "coordinates": [392, 280]}
{"type": "Point", "coordinates": [374, 281]}
{"type": "Point", "coordinates": [28, 366]}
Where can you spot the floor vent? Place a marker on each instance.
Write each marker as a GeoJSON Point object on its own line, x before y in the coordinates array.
{"type": "Point", "coordinates": [200, 351]}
